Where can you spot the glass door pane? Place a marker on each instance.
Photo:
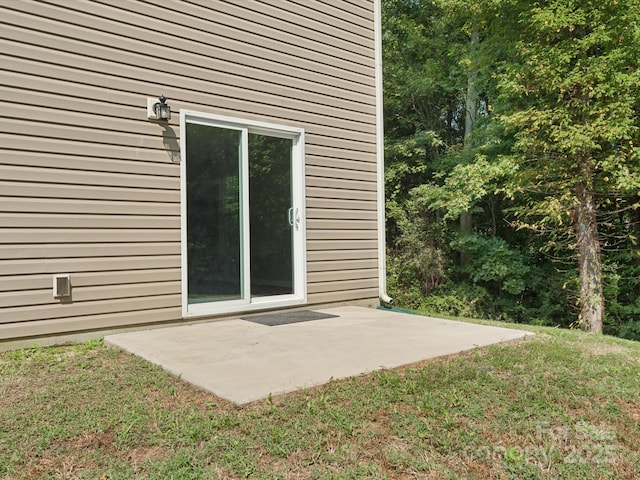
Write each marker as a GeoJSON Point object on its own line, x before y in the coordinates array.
{"type": "Point", "coordinates": [214, 213]}
{"type": "Point", "coordinates": [271, 216]}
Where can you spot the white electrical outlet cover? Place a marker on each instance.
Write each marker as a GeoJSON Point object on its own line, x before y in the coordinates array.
{"type": "Point", "coordinates": [151, 101]}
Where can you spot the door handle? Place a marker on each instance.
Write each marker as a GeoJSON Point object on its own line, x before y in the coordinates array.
{"type": "Point", "coordinates": [290, 216]}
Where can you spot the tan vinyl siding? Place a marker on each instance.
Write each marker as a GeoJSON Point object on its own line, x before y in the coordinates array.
{"type": "Point", "coordinates": [52, 326]}
{"type": "Point", "coordinates": [12, 269]}
{"type": "Point", "coordinates": [89, 187]}
{"type": "Point", "coordinates": [70, 249]}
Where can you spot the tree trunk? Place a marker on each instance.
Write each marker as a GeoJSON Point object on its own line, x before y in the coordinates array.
{"type": "Point", "coordinates": [636, 224]}
{"type": "Point", "coordinates": [589, 261]}
{"type": "Point", "coordinates": [471, 102]}
{"type": "Point", "coordinates": [471, 106]}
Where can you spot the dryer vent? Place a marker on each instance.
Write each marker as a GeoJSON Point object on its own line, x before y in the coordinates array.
{"type": "Point", "coordinates": [61, 286]}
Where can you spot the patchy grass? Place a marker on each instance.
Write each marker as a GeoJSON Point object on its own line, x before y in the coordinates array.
{"type": "Point", "coordinates": [564, 405]}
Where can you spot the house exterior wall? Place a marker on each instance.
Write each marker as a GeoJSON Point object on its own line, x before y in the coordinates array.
{"type": "Point", "coordinates": [91, 188]}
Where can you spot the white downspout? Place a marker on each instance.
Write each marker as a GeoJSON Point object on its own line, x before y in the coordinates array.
{"type": "Point", "coordinates": [382, 244]}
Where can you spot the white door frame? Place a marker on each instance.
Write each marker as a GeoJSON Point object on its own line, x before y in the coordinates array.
{"type": "Point", "coordinates": [299, 297]}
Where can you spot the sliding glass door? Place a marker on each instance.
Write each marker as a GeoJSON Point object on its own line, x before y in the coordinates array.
{"type": "Point", "coordinates": [243, 228]}
{"type": "Point", "coordinates": [271, 222]}
{"type": "Point", "coordinates": [214, 214]}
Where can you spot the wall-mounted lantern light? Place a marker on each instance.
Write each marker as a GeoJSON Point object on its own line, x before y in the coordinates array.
{"type": "Point", "coordinates": [158, 109]}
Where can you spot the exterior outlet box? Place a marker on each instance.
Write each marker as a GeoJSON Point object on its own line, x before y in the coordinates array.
{"type": "Point", "coordinates": [151, 114]}
{"type": "Point", "coordinates": [61, 286]}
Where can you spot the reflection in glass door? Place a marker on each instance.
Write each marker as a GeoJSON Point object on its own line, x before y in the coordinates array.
{"type": "Point", "coordinates": [271, 215]}
{"type": "Point", "coordinates": [243, 241]}
{"type": "Point", "coordinates": [214, 213]}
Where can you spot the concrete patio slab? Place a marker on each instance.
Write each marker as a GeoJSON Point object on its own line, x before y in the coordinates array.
{"type": "Point", "coordinates": [244, 361]}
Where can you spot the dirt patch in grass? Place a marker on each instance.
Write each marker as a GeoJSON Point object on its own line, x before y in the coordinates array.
{"type": "Point", "coordinates": [92, 440]}
{"type": "Point", "coordinates": [599, 349]}
{"type": "Point", "coordinates": [632, 409]}
{"type": "Point", "coordinates": [139, 456]}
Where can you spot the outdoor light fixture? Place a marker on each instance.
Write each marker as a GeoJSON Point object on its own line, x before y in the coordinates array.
{"type": "Point", "coordinates": [158, 109]}
{"type": "Point", "coordinates": [161, 109]}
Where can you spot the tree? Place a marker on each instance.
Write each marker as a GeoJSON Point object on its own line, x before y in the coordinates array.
{"type": "Point", "coordinates": [425, 88]}
{"type": "Point", "coordinates": [548, 166]}
{"type": "Point", "coordinates": [438, 82]}
{"type": "Point", "coordinates": [570, 99]}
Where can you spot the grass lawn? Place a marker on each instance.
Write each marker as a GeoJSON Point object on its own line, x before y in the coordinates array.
{"type": "Point", "coordinates": [564, 405]}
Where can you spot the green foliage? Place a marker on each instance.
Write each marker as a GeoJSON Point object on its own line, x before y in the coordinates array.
{"type": "Point", "coordinates": [407, 165]}
{"type": "Point", "coordinates": [493, 262]}
{"type": "Point", "coordinates": [418, 252]}
{"type": "Point", "coordinates": [571, 97]}
{"type": "Point", "coordinates": [570, 101]}
{"type": "Point", "coordinates": [459, 300]}
{"type": "Point", "coordinates": [464, 185]}
{"type": "Point", "coordinates": [558, 95]}
{"type": "Point", "coordinates": [622, 284]}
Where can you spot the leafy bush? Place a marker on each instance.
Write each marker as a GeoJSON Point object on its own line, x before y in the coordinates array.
{"type": "Point", "coordinates": [459, 300]}
{"type": "Point", "coordinates": [418, 257]}
{"type": "Point", "coordinates": [621, 286]}
{"type": "Point", "coordinates": [493, 263]}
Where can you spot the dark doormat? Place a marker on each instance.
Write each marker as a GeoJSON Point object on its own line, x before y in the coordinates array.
{"type": "Point", "coordinates": [285, 318]}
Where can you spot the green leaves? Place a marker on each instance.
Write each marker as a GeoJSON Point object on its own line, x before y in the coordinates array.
{"type": "Point", "coordinates": [494, 261]}
{"type": "Point", "coordinates": [557, 97]}
{"type": "Point", "coordinates": [466, 184]}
